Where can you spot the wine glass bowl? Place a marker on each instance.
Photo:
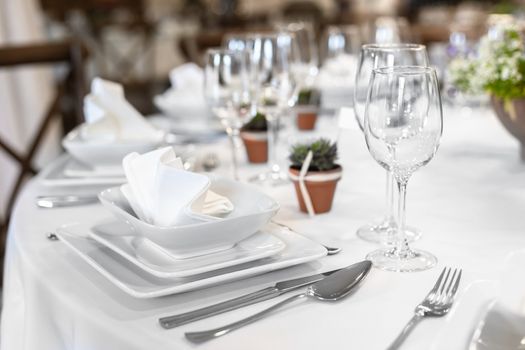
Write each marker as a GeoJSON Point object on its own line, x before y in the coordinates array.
{"type": "Point", "coordinates": [272, 58]}
{"type": "Point", "coordinates": [403, 125]}
{"type": "Point", "coordinates": [226, 89]}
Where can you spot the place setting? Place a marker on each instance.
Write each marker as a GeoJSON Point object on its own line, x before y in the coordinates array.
{"type": "Point", "coordinates": [256, 193]}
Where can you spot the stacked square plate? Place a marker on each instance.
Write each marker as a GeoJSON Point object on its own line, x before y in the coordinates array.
{"type": "Point", "coordinates": [146, 261]}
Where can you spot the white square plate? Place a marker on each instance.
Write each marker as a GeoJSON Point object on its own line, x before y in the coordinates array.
{"type": "Point", "coordinates": [140, 284]}
{"type": "Point", "coordinates": [159, 262]}
{"type": "Point", "coordinates": [59, 174]}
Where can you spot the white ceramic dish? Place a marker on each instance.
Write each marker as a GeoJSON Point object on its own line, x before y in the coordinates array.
{"type": "Point", "coordinates": [65, 172]}
{"type": "Point", "coordinates": [196, 129]}
{"type": "Point", "coordinates": [252, 210]}
{"type": "Point", "coordinates": [173, 106]}
{"type": "Point", "coordinates": [140, 284]}
{"type": "Point", "coordinates": [472, 318]}
{"type": "Point", "coordinates": [94, 152]}
{"type": "Point", "coordinates": [159, 262]}
{"type": "Point", "coordinates": [78, 169]}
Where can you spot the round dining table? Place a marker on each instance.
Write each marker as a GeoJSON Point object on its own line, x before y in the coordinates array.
{"type": "Point", "coordinates": [468, 203]}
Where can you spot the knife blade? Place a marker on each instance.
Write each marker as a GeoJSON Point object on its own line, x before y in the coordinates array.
{"type": "Point", "coordinates": [64, 200]}
{"type": "Point", "coordinates": [251, 298]}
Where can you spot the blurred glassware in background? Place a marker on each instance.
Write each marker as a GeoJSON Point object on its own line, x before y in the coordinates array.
{"type": "Point", "coordinates": [227, 92]}
{"type": "Point", "coordinates": [375, 56]}
{"type": "Point", "coordinates": [340, 41]}
{"type": "Point", "coordinates": [339, 50]}
{"type": "Point", "coordinates": [306, 64]}
{"type": "Point", "coordinates": [388, 30]}
{"type": "Point", "coordinates": [272, 58]}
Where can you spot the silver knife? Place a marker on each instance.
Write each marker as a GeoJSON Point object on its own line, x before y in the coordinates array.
{"type": "Point", "coordinates": [65, 200]}
{"type": "Point", "coordinates": [251, 298]}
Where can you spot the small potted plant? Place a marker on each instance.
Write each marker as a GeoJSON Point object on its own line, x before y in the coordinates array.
{"type": "Point", "coordinates": [321, 176]}
{"type": "Point", "coordinates": [307, 107]}
{"type": "Point", "coordinates": [254, 137]}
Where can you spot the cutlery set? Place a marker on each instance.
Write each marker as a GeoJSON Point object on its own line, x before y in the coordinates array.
{"type": "Point", "coordinates": [328, 286]}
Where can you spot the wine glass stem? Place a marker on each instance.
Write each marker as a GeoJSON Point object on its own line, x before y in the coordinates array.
{"type": "Point", "coordinates": [232, 134]}
{"type": "Point", "coordinates": [273, 129]}
{"type": "Point", "coordinates": [402, 249]}
{"type": "Point", "coordinates": [390, 184]}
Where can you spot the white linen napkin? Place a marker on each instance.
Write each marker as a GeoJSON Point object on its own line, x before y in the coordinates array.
{"type": "Point", "coordinates": [109, 116]}
{"type": "Point", "coordinates": [162, 193]}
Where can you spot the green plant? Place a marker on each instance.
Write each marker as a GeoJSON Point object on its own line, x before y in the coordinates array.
{"type": "Point", "coordinates": [499, 67]}
{"type": "Point", "coordinates": [324, 155]}
{"type": "Point", "coordinates": [256, 124]}
{"type": "Point", "coordinates": [308, 97]}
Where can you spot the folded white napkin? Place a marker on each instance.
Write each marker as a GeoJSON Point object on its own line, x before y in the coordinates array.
{"type": "Point", "coordinates": [162, 193]}
{"type": "Point", "coordinates": [185, 98]}
{"type": "Point", "coordinates": [109, 116]}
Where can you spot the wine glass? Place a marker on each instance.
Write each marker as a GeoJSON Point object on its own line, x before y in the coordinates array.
{"type": "Point", "coordinates": [374, 56]}
{"type": "Point", "coordinates": [403, 126]}
{"type": "Point", "coordinates": [305, 65]}
{"type": "Point", "coordinates": [339, 41]}
{"type": "Point", "coordinates": [227, 93]}
{"type": "Point", "coordinates": [271, 58]}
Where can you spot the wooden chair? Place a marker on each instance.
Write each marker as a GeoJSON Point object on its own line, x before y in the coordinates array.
{"type": "Point", "coordinates": [67, 103]}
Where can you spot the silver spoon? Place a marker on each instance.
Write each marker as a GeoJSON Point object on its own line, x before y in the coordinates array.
{"type": "Point", "coordinates": [331, 288]}
{"type": "Point", "coordinates": [330, 250]}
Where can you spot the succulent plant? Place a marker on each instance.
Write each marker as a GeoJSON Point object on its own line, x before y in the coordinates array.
{"type": "Point", "coordinates": [308, 97]}
{"type": "Point", "coordinates": [324, 155]}
{"type": "Point", "coordinates": [257, 124]}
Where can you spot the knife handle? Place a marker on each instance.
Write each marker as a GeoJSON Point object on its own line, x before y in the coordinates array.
{"type": "Point", "coordinates": [215, 309]}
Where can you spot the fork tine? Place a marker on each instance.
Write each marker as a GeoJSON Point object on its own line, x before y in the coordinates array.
{"type": "Point", "coordinates": [443, 285]}
{"type": "Point", "coordinates": [438, 282]}
{"type": "Point", "coordinates": [452, 280]}
{"type": "Point", "coordinates": [456, 285]}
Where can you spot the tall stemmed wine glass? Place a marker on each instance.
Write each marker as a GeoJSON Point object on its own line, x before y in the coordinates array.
{"type": "Point", "coordinates": [306, 62]}
{"type": "Point", "coordinates": [403, 125]}
{"type": "Point", "coordinates": [374, 56]}
{"type": "Point", "coordinates": [272, 57]}
{"type": "Point", "coordinates": [227, 92]}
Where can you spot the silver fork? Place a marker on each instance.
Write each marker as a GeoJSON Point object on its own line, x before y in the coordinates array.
{"type": "Point", "coordinates": [437, 303]}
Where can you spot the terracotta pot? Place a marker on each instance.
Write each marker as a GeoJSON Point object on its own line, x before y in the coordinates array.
{"type": "Point", "coordinates": [256, 144]}
{"type": "Point", "coordinates": [306, 117]}
{"type": "Point", "coordinates": [321, 192]}
{"type": "Point", "coordinates": [511, 114]}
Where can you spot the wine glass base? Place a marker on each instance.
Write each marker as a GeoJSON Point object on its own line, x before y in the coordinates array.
{"type": "Point", "coordinates": [271, 178]}
{"type": "Point", "coordinates": [385, 233]}
{"type": "Point", "coordinates": [414, 260]}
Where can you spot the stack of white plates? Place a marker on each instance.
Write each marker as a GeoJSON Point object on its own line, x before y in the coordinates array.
{"type": "Point", "coordinates": [94, 162]}
{"type": "Point", "coordinates": [146, 261]}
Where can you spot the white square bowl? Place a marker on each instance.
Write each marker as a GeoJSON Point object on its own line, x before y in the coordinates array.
{"type": "Point", "coordinates": [252, 210]}
{"type": "Point", "coordinates": [102, 153]}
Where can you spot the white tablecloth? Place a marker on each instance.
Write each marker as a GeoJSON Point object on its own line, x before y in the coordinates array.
{"type": "Point", "coordinates": [468, 202]}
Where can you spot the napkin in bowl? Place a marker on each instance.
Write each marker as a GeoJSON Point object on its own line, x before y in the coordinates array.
{"type": "Point", "coordinates": [185, 98]}
{"type": "Point", "coordinates": [110, 117]}
{"type": "Point", "coordinates": [162, 193]}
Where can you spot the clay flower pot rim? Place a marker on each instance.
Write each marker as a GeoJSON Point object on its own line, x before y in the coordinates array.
{"type": "Point", "coordinates": [317, 176]}
{"type": "Point", "coordinates": [254, 135]}
{"type": "Point", "coordinates": [306, 108]}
